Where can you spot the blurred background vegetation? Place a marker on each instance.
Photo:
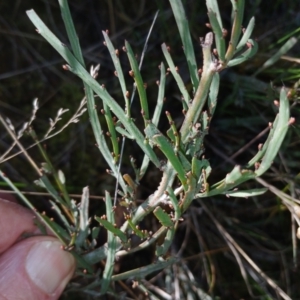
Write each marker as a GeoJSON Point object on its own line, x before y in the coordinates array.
{"type": "Point", "coordinates": [262, 226]}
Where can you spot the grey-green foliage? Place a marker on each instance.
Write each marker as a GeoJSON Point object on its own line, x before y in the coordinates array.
{"type": "Point", "coordinates": [181, 148]}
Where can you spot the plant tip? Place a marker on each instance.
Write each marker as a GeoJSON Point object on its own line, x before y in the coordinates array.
{"type": "Point", "coordinates": [298, 233]}
{"type": "Point", "coordinates": [66, 67]}
{"type": "Point", "coordinates": [224, 32]}
{"type": "Point", "coordinates": [249, 45]}
{"type": "Point", "coordinates": [292, 120]}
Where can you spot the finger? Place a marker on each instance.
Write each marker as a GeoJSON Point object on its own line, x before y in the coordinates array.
{"type": "Point", "coordinates": [15, 222]}
{"type": "Point", "coordinates": [7, 195]}
{"type": "Point", "coordinates": [35, 268]}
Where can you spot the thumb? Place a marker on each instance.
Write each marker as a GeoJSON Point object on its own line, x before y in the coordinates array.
{"type": "Point", "coordinates": [36, 268]}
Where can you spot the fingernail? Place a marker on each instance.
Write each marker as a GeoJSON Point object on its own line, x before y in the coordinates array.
{"type": "Point", "coordinates": [48, 266]}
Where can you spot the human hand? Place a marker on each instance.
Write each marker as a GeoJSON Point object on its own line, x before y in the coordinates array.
{"type": "Point", "coordinates": [34, 268]}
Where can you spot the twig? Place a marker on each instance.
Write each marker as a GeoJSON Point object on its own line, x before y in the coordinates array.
{"type": "Point", "coordinates": [229, 238]}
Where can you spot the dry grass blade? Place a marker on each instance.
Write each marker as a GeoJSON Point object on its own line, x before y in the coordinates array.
{"type": "Point", "coordinates": [229, 238]}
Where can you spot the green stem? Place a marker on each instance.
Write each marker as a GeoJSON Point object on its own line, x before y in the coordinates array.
{"type": "Point", "coordinates": [238, 10]}
{"type": "Point", "coordinates": [76, 67]}
{"type": "Point", "coordinates": [209, 69]}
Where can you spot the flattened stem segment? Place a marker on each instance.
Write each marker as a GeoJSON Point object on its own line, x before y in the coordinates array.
{"type": "Point", "coordinates": [209, 69]}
